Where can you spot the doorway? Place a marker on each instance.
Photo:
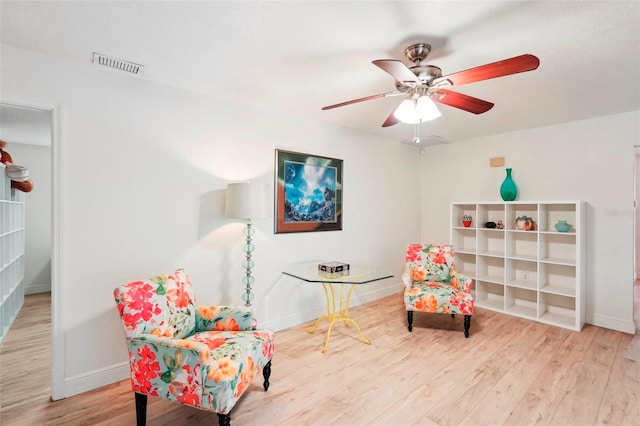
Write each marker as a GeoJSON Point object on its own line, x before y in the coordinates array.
{"type": "Point", "coordinates": [37, 127]}
{"type": "Point", "coordinates": [28, 133]}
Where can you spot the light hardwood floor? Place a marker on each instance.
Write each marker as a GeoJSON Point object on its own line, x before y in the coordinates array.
{"type": "Point", "coordinates": [509, 372]}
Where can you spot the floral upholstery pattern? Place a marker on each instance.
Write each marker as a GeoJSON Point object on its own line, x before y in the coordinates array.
{"type": "Point", "coordinates": [432, 283]}
{"type": "Point", "coordinates": [202, 356]}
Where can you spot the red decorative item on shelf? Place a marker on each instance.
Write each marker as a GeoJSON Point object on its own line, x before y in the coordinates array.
{"type": "Point", "coordinates": [525, 223]}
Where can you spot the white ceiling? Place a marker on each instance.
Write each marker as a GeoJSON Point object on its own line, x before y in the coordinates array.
{"type": "Point", "coordinates": [295, 57]}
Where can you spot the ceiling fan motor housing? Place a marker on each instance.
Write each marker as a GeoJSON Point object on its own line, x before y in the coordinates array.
{"type": "Point", "coordinates": [425, 73]}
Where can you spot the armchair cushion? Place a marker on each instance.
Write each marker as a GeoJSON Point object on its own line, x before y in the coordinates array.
{"type": "Point", "coordinates": [208, 370]}
{"type": "Point", "coordinates": [231, 318]}
{"type": "Point", "coordinates": [438, 297]}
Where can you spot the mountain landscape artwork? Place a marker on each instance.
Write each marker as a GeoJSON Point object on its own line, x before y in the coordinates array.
{"type": "Point", "coordinates": [308, 193]}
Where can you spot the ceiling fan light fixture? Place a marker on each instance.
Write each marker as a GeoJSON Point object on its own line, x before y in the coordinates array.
{"type": "Point", "coordinates": [412, 111]}
{"type": "Point", "coordinates": [425, 109]}
{"type": "Point", "coordinates": [406, 111]}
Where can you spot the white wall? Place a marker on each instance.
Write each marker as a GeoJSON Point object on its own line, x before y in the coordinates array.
{"type": "Point", "coordinates": [144, 168]}
{"type": "Point", "coordinates": [590, 160]}
{"type": "Point", "coordinates": [37, 274]}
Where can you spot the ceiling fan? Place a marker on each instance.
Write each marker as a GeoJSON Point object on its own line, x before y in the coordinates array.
{"type": "Point", "coordinates": [422, 84]}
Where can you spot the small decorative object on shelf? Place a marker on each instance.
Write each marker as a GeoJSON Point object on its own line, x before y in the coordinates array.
{"type": "Point", "coordinates": [466, 220]}
{"type": "Point", "coordinates": [499, 224]}
{"type": "Point", "coordinates": [333, 269]}
{"type": "Point", "coordinates": [490, 225]}
{"type": "Point", "coordinates": [525, 223]}
{"type": "Point", "coordinates": [562, 226]}
{"type": "Point", "coordinates": [508, 189]}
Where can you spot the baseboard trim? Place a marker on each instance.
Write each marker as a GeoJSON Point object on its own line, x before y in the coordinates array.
{"type": "Point", "coordinates": [38, 288]}
{"type": "Point", "coordinates": [611, 323]}
{"type": "Point", "coordinates": [292, 320]}
{"type": "Point", "coordinates": [314, 312]}
{"type": "Point", "coordinates": [96, 379]}
{"type": "Point", "coordinates": [370, 296]}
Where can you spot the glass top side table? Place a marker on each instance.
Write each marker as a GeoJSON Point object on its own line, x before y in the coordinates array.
{"type": "Point", "coordinates": [337, 301]}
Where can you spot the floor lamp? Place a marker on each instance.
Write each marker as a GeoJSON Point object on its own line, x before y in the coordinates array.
{"type": "Point", "coordinates": [247, 201]}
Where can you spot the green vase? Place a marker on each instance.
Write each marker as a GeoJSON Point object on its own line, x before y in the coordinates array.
{"type": "Point", "coordinates": [508, 189]}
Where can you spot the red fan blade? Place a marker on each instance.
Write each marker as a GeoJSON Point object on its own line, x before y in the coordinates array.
{"type": "Point", "coordinates": [510, 66]}
{"type": "Point", "coordinates": [398, 70]}
{"type": "Point", "coordinates": [391, 120]}
{"type": "Point", "coordinates": [366, 98]}
{"type": "Point", "coordinates": [465, 102]}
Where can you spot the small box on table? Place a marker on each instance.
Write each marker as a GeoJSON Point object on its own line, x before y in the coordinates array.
{"type": "Point", "coordinates": [336, 269]}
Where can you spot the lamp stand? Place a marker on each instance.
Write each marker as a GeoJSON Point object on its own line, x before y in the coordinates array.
{"type": "Point", "coordinates": [248, 279]}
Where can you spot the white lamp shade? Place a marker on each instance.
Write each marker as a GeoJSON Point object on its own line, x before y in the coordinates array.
{"type": "Point", "coordinates": [426, 110]}
{"type": "Point", "coordinates": [413, 111]}
{"type": "Point", "coordinates": [406, 111]}
{"type": "Point", "coordinates": [247, 200]}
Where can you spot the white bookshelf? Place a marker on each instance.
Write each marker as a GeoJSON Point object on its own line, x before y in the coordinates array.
{"type": "Point", "coordinates": [12, 244]}
{"type": "Point", "coordinates": [537, 274]}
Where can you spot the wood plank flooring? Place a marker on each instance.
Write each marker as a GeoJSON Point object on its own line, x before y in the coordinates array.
{"type": "Point", "coordinates": [510, 371]}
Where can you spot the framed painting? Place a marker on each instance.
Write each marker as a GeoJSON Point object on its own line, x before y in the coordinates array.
{"type": "Point", "coordinates": [308, 193]}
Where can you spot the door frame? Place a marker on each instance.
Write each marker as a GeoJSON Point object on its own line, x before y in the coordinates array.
{"type": "Point", "coordinates": [636, 218]}
{"type": "Point", "coordinates": [57, 332]}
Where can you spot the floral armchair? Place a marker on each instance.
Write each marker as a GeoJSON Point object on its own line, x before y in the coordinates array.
{"type": "Point", "coordinates": [202, 356]}
{"type": "Point", "coordinates": [433, 285]}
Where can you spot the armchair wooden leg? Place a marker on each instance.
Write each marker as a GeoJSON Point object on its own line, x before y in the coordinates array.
{"type": "Point", "coordinates": [141, 409]}
{"type": "Point", "coordinates": [266, 373]}
{"type": "Point", "coordinates": [224, 420]}
{"type": "Point", "coordinates": [410, 320]}
{"type": "Point", "coordinates": [467, 324]}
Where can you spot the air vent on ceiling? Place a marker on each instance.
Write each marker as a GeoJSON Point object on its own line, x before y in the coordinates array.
{"type": "Point", "coordinates": [119, 64]}
{"type": "Point", "coordinates": [429, 140]}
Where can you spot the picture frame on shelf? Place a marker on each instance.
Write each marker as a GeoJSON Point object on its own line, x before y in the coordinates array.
{"type": "Point", "coordinates": [308, 192]}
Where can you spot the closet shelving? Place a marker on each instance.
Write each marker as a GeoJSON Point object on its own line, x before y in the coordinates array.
{"type": "Point", "coordinates": [12, 246]}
